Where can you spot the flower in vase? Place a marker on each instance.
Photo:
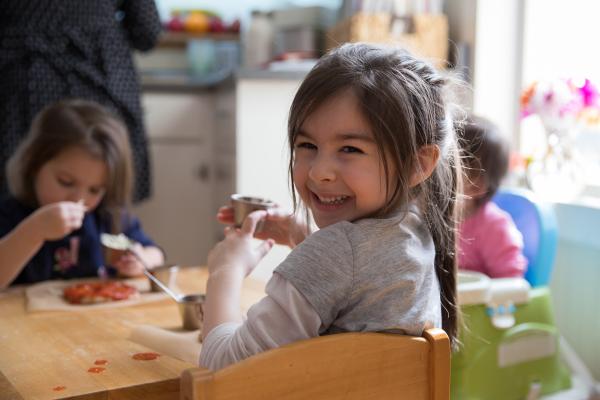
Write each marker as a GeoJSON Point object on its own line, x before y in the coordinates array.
{"type": "Point", "coordinates": [562, 104]}
{"type": "Point", "coordinates": [589, 115]}
{"type": "Point", "coordinates": [564, 107]}
{"type": "Point", "coordinates": [554, 102]}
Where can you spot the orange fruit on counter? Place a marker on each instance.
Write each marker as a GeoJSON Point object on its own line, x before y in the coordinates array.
{"type": "Point", "coordinates": [197, 22]}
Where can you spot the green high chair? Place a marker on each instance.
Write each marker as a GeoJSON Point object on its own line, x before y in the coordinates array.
{"type": "Point", "coordinates": [510, 344]}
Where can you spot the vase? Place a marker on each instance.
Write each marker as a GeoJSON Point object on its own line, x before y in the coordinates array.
{"type": "Point", "coordinates": [556, 176]}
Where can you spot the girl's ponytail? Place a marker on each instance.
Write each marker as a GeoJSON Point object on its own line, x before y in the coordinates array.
{"type": "Point", "coordinates": [443, 217]}
{"type": "Point", "coordinates": [442, 195]}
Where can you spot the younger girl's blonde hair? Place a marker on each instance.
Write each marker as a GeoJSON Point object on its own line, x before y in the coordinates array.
{"type": "Point", "coordinates": [67, 124]}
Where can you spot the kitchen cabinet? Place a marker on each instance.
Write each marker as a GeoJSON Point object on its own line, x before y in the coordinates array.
{"type": "Point", "coordinates": [187, 133]}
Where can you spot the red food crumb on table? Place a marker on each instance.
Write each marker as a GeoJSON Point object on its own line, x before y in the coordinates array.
{"type": "Point", "coordinates": [145, 356]}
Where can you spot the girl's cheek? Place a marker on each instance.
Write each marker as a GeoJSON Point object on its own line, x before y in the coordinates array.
{"type": "Point", "coordinates": [298, 173]}
{"type": "Point", "coordinates": [93, 204]}
{"type": "Point", "coordinates": [300, 179]}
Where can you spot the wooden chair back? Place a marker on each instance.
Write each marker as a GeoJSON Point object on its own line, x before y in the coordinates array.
{"type": "Point", "coordinates": [342, 366]}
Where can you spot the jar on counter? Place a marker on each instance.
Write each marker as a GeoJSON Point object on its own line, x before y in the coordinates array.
{"type": "Point", "coordinates": [258, 45]}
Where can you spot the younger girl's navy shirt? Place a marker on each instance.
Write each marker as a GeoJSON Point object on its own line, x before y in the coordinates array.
{"type": "Point", "coordinates": [79, 254]}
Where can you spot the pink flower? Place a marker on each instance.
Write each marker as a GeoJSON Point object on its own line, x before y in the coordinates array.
{"type": "Point", "coordinates": [562, 103]}
{"type": "Point", "coordinates": [589, 94]}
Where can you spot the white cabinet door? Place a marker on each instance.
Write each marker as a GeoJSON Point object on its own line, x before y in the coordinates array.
{"type": "Point", "coordinates": [180, 115]}
{"type": "Point", "coordinates": [179, 217]}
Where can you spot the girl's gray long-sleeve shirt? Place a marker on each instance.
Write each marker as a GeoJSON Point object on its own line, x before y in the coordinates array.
{"type": "Point", "coordinates": [368, 275]}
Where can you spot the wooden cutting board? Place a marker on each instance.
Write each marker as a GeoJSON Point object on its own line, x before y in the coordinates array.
{"type": "Point", "coordinates": [47, 355]}
{"type": "Point", "coordinates": [45, 296]}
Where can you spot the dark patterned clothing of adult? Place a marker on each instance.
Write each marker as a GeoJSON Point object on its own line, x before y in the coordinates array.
{"type": "Point", "coordinates": [55, 49]}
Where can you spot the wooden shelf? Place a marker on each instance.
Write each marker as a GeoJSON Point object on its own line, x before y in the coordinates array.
{"type": "Point", "coordinates": [180, 39]}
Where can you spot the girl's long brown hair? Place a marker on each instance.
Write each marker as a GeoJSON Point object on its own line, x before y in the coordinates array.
{"type": "Point", "coordinates": [405, 101]}
{"type": "Point", "coordinates": [82, 124]}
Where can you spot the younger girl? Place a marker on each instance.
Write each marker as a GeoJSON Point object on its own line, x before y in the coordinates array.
{"type": "Point", "coordinates": [70, 180]}
{"type": "Point", "coordinates": [374, 160]}
{"type": "Point", "coordinates": [489, 240]}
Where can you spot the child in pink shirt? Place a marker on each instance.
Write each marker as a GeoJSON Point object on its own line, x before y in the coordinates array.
{"type": "Point", "coordinates": [489, 241]}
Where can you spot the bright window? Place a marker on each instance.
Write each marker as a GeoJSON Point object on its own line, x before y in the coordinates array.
{"type": "Point", "coordinates": [560, 42]}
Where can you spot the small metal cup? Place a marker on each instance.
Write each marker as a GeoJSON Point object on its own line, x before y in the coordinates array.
{"type": "Point", "coordinates": [191, 308]}
{"type": "Point", "coordinates": [167, 274]}
{"type": "Point", "coordinates": [244, 205]}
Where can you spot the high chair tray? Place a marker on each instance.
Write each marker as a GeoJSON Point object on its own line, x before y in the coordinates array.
{"type": "Point", "coordinates": [477, 288]}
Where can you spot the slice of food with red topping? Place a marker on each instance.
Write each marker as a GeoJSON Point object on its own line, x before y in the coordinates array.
{"type": "Point", "coordinates": [99, 292]}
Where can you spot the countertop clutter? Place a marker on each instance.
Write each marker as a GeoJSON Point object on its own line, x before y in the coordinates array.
{"type": "Point", "coordinates": [185, 61]}
{"type": "Point", "coordinates": [198, 50]}
{"type": "Point", "coordinates": [199, 21]}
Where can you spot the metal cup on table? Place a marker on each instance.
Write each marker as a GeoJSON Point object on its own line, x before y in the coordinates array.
{"type": "Point", "coordinates": [244, 205]}
{"type": "Point", "coordinates": [191, 308]}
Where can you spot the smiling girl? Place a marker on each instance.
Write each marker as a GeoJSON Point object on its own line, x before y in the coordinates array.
{"type": "Point", "coordinates": [374, 159]}
{"type": "Point", "coordinates": [70, 181]}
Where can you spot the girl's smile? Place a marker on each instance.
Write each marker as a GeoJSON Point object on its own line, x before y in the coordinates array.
{"type": "Point", "coordinates": [337, 169]}
{"type": "Point", "coordinates": [330, 203]}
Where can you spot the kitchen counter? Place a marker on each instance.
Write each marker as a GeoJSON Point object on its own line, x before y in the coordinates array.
{"type": "Point", "coordinates": [179, 82]}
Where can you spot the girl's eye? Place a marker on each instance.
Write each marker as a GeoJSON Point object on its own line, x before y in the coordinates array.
{"type": "Point", "coordinates": [96, 191]}
{"type": "Point", "coordinates": [305, 145]}
{"type": "Point", "coordinates": [351, 149]}
{"type": "Point", "coordinates": [65, 182]}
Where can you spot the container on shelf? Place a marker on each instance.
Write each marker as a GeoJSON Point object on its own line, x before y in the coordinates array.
{"type": "Point", "coordinates": [428, 36]}
{"type": "Point", "coordinates": [258, 44]}
{"type": "Point", "coordinates": [201, 56]}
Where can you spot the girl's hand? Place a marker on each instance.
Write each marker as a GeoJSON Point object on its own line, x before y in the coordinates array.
{"type": "Point", "coordinates": [128, 264]}
{"type": "Point", "coordinates": [237, 252]}
{"type": "Point", "coordinates": [282, 226]}
{"type": "Point", "coordinates": [57, 220]}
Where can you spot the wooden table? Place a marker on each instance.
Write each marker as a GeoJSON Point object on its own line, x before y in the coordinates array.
{"type": "Point", "coordinates": [42, 351]}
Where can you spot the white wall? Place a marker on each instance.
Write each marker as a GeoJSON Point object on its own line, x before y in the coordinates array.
{"type": "Point", "coordinates": [497, 66]}
{"type": "Point", "coordinates": [487, 36]}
